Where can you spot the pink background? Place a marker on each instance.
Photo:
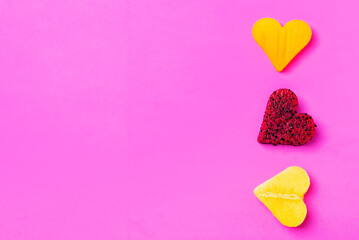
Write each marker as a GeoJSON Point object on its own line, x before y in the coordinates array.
{"type": "Point", "coordinates": [138, 119]}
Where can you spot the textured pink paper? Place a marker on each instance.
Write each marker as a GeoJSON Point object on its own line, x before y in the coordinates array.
{"type": "Point", "coordinates": [138, 119]}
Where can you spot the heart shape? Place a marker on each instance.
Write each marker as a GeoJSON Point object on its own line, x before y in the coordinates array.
{"type": "Point", "coordinates": [281, 44]}
{"type": "Point", "coordinates": [283, 195]}
{"type": "Point", "coordinates": [281, 122]}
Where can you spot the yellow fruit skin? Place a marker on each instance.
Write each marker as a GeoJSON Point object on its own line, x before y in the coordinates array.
{"type": "Point", "coordinates": [281, 44]}
{"type": "Point", "coordinates": [283, 195]}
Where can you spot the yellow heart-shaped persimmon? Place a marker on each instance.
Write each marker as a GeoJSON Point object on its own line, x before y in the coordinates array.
{"type": "Point", "coordinates": [283, 195]}
{"type": "Point", "coordinates": [281, 44]}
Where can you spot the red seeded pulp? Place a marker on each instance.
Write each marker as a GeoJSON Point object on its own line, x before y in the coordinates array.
{"type": "Point", "coordinates": [281, 122]}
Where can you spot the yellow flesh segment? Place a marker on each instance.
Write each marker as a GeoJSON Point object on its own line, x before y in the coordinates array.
{"type": "Point", "coordinates": [281, 44]}
{"type": "Point", "coordinates": [283, 195]}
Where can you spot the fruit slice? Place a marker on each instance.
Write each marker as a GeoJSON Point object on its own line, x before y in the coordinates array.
{"type": "Point", "coordinates": [281, 44]}
{"type": "Point", "coordinates": [283, 195]}
{"type": "Point", "coordinates": [281, 122]}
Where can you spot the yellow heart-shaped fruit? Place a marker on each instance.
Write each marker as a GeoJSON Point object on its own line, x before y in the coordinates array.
{"type": "Point", "coordinates": [281, 44]}
{"type": "Point", "coordinates": [283, 195]}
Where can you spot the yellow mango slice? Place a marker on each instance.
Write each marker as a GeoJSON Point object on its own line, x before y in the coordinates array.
{"type": "Point", "coordinates": [281, 44]}
{"type": "Point", "coordinates": [283, 195]}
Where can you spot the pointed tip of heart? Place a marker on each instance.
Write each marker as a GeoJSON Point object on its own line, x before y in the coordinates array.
{"type": "Point", "coordinates": [279, 69]}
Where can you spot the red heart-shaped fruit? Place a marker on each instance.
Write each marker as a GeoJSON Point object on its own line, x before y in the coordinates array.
{"type": "Point", "coordinates": [281, 122]}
